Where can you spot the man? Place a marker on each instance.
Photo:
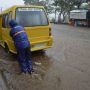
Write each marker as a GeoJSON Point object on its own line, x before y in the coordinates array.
{"type": "Point", "coordinates": [22, 45]}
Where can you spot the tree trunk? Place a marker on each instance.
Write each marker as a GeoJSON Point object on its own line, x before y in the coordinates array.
{"type": "Point", "coordinates": [55, 15]}
{"type": "Point", "coordinates": [59, 18]}
{"type": "Point", "coordinates": [63, 16]}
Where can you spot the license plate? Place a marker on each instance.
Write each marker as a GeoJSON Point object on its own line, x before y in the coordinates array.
{"type": "Point", "coordinates": [41, 45]}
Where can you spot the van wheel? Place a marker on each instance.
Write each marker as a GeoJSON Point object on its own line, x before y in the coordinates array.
{"type": "Point", "coordinates": [6, 48]}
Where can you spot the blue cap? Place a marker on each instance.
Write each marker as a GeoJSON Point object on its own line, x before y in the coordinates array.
{"type": "Point", "coordinates": [12, 23]}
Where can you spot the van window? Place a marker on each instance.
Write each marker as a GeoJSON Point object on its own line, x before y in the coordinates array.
{"type": "Point", "coordinates": [5, 20]}
{"type": "Point", "coordinates": [31, 17]}
{"type": "Point", "coordinates": [9, 18]}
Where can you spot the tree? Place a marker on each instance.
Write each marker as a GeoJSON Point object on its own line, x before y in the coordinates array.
{"type": "Point", "coordinates": [30, 2]}
{"type": "Point", "coordinates": [66, 5]}
{"type": "Point", "coordinates": [36, 2]}
{"type": "Point", "coordinates": [87, 0]}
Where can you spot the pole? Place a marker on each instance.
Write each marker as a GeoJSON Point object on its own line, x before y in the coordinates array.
{"type": "Point", "coordinates": [1, 10]}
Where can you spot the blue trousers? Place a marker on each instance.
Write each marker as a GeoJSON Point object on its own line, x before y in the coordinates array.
{"type": "Point", "coordinates": [25, 60]}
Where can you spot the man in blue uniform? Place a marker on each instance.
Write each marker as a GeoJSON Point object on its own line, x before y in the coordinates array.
{"type": "Point", "coordinates": [22, 45]}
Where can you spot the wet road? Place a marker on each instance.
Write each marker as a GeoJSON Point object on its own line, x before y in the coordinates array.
{"type": "Point", "coordinates": [65, 66]}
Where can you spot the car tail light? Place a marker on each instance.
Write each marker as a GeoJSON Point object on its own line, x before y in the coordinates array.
{"type": "Point", "coordinates": [50, 32]}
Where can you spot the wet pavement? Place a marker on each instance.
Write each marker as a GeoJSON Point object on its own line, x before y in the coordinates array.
{"type": "Point", "coordinates": [65, 66]}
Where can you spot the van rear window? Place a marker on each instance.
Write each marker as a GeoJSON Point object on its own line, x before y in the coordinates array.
{"type": "Point", "coordinates": [31, 17]}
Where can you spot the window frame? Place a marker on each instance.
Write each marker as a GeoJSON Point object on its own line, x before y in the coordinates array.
{"type": "Point", "coordinates": [9, 16]}
{"type": "Point", "coordinates": [3, 20]}
{"type": "Point", "coordinates": [5, 17]}
{"type": "Point", "coordinates": [33, 25]}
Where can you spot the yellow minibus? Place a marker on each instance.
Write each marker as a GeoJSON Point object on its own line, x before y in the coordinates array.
{"type": "Point", "coordinates": [35, 22]}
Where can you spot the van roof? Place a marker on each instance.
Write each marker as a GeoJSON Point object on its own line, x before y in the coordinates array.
{"type": "Point", "coordinates": [16, 6]}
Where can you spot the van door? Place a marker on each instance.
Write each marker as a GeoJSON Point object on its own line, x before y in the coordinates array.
{"type": "Point", "coordinates": [35, 22]}
{"type": "Point", "coordinates": [5, 28]}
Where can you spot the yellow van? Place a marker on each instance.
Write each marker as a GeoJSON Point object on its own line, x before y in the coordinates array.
{"type": "Point", "coordinates": [35, 22]}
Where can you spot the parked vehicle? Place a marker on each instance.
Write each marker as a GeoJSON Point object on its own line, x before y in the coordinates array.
{"type": "Point", "coordinates": [35, 22]}
{"type": "Point", "coordinates": [80, 17]}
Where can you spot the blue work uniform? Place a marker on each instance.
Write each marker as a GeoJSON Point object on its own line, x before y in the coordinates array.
{"type": "Point", "coordinates": [22, 45]}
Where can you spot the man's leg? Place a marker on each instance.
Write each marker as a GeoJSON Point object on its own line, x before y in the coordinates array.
{"type": "Point", "coordinates": [29, 59]}
{"type": "Point", "coordinates": [22, 60]}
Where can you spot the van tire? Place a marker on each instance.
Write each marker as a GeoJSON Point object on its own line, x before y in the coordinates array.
{"type": "Point", "coordinates": [6, 48]}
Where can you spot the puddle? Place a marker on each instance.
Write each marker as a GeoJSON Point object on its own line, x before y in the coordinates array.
{"type": "Point", "coordinates": [15, 79]}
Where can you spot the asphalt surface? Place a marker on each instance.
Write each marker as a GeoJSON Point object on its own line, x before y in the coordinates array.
{"type": "Point", "coordinates": [65, 66]}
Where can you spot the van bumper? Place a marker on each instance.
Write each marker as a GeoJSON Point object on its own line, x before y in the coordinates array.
{"type": "Point", "coordinates": [38, 45]}
{"type": "Point", "coordinates": [41, 45]}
